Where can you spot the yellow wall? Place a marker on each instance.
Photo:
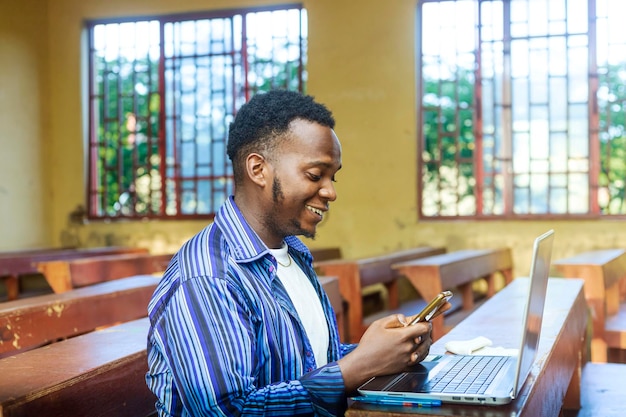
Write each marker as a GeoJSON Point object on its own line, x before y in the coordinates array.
{"type": "Point", "coordinates": [24, 196]}
{"type": "Point", "coordinates": [361, 64]}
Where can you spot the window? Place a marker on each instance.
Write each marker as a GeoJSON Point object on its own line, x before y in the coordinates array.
{"type": "Point", "coordinates": [522, 110]}
{"type": "Point", "coordinates": [162, 93]}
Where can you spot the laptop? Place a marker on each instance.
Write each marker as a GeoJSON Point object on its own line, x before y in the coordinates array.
{"type": "Point", "coordinates": [495, 379]}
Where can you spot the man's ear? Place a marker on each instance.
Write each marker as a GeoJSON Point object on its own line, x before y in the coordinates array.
{"type": "Point", "coordinates": [257, 169]}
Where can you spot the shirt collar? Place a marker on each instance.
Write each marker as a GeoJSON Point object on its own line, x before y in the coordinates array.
{"type": "Point", "coordinates": [245, 243]}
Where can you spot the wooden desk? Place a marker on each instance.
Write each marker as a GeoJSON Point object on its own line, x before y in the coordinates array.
{"type": "Point", "coordinates": [101, 373]}
{"type": "Point", "coordinates": [603, 271]}
{"type": "Point", "coordinates": [31, 322]}
{"type": "Point", "coordinates": [559, 357]}
{"type": "Point", "coordinates": [457, 269]}
{"type": "Point", "coordinates": [16, 263]}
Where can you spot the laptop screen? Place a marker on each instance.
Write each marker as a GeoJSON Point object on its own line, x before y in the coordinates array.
{"type": "Point", "coordinates": [539, 271]}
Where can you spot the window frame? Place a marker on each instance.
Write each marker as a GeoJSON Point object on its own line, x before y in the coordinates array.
{"type": "Point", "coordinates": [97, 209]}
{"type": "Point", "coordinates": [594, 156]}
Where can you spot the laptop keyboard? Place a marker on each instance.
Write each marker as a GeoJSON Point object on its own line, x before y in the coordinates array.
{"type": "Point", "coordinates": [470, 375]}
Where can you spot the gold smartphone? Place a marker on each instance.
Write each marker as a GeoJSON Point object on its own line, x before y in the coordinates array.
{"type": "Point", "coordinates": [429, 311]}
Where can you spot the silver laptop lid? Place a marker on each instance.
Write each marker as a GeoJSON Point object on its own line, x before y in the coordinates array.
{"type": "Point", "coordinates": [539, 271]}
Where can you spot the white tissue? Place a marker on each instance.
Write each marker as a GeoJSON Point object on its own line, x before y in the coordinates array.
{"type": "Point", "coordinates": [467, 347]}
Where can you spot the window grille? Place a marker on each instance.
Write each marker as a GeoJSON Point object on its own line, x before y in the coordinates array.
{"type": "Point", "coordinates": [522, 109]}
{"type": "Point", "coordinates": [162, 93]}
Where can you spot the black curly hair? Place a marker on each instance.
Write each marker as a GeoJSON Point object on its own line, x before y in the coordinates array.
{"type": "Point", "coordinates": [266, 117]}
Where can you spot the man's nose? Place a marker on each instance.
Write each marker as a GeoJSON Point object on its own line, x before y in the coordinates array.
{"type": "Point", "coordinates": [328, 191]}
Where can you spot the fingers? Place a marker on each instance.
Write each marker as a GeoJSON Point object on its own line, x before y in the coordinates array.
{"type": "Point", "coordinates": [418, 356]}
{"type": "Point", "coordinates": [420, 351]}
{"type": "Point", "coordinates": [420, 348]}
{"type": "Point", "coordinates": [442, 309]}
{"type": "Point", "coordinates": [422, 329]}
{"type": "Point", "coordinates": [395, 321]}
{"type": "Point", "coordinates": [399, 320]}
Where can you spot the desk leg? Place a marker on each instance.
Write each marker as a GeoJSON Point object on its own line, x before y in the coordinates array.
{"type": "Point", "coordinates": [392, 294]}
{"type": "Point", "coordinates": [58, 275]}
{"type": "Point", "coordinates": [598, 344]}
{"type": "Point", "coordinates": [12, 287]}
{"type": "Point", "coordinates": [491, 285]}
{"type": "Point", "coordinates": [468, 296]}
{"type": "Point", "coordinates": [572, 396]}
{"type": "Point", "coordinates": [612, 299]}
{"type": "Point", "coordinates": [508, 275]}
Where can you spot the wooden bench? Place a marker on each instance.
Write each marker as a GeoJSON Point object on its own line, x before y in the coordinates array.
{"type": "Point", "coordinates": [35, 321]}
{"type": "Point", "coordinates": [356, 274]}
{"type": "Point", "coordinates": [15, 264]}
{"type": "Point", "coordinates": [555, 371]}
{"type": "Point", "coordinates": [603, 272]}
{"type": "Point", "coordinates": [67, 274]}
{"type": "Point", "coordinates": [457, 269]}
{"type": "Point", "coordinates": [602, 393]}
{"type": "Point", "coordinates": [101, 373]}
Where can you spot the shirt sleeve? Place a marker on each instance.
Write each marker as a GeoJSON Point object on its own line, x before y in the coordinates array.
{"type": "Point", "coordinates": [347, 348]}
{"type": "Point", "coordinates": [207, 338]}
{"type": "Point", "coordinates": [327, 390]}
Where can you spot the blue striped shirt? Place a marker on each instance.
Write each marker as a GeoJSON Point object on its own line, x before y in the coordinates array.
{"type": "Point", "coordinates": [225, 339]}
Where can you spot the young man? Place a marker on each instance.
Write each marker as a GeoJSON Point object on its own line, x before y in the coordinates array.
{"type": "Point", "coordinates": [239, 323]}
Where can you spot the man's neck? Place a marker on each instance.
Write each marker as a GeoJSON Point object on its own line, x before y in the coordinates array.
{"type": "Point", "coordinates": [254, 220]}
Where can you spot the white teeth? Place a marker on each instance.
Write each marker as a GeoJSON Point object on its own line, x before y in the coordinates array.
{"type": "Point", "coordinates": [316, 211]}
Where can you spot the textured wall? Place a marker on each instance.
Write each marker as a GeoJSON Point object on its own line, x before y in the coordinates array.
{"type": "Point", "coordinates": [23, 124]}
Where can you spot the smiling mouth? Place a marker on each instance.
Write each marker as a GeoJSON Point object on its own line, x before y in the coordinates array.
{"type": "Point", "coordinates": [316, 211]}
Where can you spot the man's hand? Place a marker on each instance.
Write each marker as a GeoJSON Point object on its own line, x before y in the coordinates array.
{"type": "Point", "coordinates": [387, 347]}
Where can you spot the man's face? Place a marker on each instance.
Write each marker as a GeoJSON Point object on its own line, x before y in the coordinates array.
{"type": "Point", "coordinates": [304, 169]}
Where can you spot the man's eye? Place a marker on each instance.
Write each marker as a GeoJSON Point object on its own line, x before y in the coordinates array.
{"type": "Point", "coordinates": [314, 177]}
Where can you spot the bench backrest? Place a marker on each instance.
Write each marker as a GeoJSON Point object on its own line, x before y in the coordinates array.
{"type": "Point", "coordinates": [101, 373]}
{"type": "Point", "coordinates": [325, 254]}
{"type": "Point", "coordinates": [463, 266]}
{"type": "Point", "coordinates": [35, 321]}
{"type": "Point", "coordinates": [25, 262]}
{"type": "Point", "coordinates": [68, 274]}
{"type": "Point", "coordinates": [376, 269]}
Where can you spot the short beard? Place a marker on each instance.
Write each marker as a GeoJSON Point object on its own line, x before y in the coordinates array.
{"type": "Point", "coordinates": [277, 195]}
{"type": "Point", "coordinates": [277, 191]}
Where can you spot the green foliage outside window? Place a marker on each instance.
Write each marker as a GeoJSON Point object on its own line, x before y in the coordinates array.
{"type": "Point", "coordinates": [128, 154]}
{"type": "Point", "coordinates": [612, 177]}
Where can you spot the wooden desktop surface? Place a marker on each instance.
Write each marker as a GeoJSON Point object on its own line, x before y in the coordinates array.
{"type": "Point", "coordinates": [559, 357]}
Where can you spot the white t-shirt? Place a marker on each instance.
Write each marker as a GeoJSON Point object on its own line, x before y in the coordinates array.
{"type": "Point", "coordinates": [307, 303]}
